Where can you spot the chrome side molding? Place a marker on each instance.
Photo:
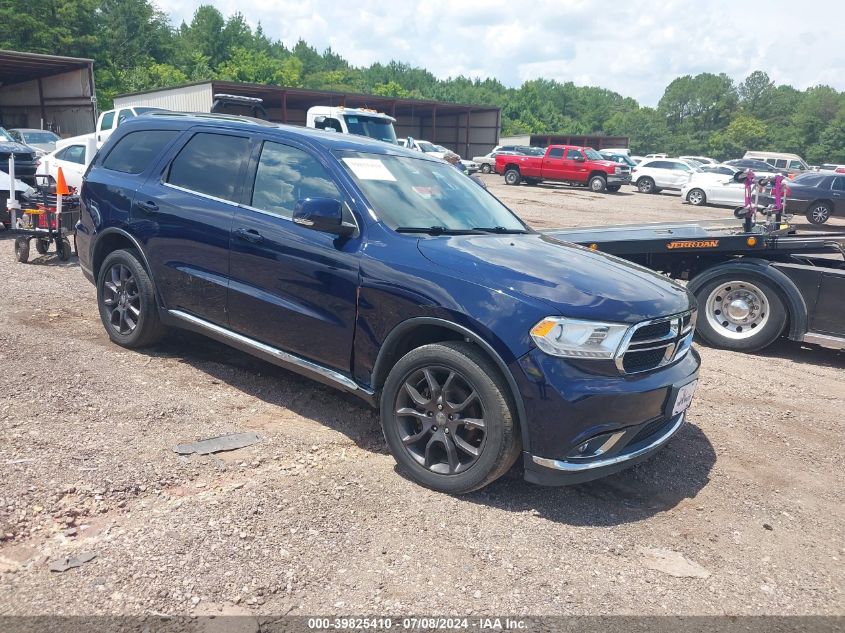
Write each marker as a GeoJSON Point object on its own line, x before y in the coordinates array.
{"type": "Point", "coordinates": [284, 357]}
{"type": "Point", "coordinates": [825, 340]}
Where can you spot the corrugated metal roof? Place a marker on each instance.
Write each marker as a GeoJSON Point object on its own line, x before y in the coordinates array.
{"type": "Point", "coordinates": [16, 67]}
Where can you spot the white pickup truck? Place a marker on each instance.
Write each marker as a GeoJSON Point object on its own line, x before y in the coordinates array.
{"type": "Point", "coordinates": [361, 121]}
{"type": "Point", "coordinates": [110, 119]}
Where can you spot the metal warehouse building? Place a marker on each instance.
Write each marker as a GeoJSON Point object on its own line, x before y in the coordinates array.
{"type": "Point", "coordinates": [469, 130]}
{"type": "Point", "coordinates": [596, 141]}
{"type": "Point", "coordinates": [47, 91]}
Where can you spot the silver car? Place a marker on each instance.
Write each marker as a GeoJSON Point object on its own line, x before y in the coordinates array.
{"type": "Point", "coordinates": [42, 141]}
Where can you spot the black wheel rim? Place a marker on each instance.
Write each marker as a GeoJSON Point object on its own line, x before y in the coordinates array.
{"type": "Point", "coordinates": [440, 419]}
{"type": "Point", "coordinates": [121, 299]}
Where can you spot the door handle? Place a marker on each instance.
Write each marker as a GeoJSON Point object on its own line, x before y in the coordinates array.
{"type": "Point", "coordinates": [250, 235]}
{"type": "Point", "coordinates": [148, 206]}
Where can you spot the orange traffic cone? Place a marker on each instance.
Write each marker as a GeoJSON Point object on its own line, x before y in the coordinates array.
{"type": "Point", "coordinates": [61, 184]}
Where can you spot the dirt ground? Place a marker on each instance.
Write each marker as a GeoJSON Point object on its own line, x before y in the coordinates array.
{"type": "Point", "coordinates": [742, 513]}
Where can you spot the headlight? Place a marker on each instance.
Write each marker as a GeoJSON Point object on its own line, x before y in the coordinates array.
{"type": "Point", "coordinates": [571, 338]}
{"type": "Point", "coordinates": [618, 170]}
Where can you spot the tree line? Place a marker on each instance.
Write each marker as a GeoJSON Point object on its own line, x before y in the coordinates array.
{"type": "Point", "coordinates": [135, 48]}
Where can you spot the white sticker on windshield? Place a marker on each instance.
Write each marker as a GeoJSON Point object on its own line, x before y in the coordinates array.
{"type": "Point", "coordinates": [369, 169]}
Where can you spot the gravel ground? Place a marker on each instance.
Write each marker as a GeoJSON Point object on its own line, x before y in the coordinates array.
{"type": "Point", "coordinates": [742, 513]}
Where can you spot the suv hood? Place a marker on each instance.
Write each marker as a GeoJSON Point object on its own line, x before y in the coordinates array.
{"type": "Point", "coordinates": [574, 281]}
{"type": "Point", "coordinates": [11, 147]}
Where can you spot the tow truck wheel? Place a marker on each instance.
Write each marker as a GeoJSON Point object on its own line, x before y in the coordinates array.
{"type": "Point", "coordinates": [645, 185]}
{"type": "Point", "coordinates": [744, 314]}
{"type": "Point", "coordinates": [485, 168]}
{"type": "Point", "coordinates": [696, 197]}
{"type": "Point", "coordinates": [42, 246]}
{"type": "Point", "coordinates": [512, 177]}
{"type": "Point", "coordinates": [22, 249]}
{"type": "Point", "coordinates": [64, 250]}
{"type": "Point", "coordinates": [819, 213]}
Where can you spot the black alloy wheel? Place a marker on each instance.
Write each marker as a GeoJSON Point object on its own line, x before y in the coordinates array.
{"type": "Point", "coordinates": [121, 299]}
{"type": "Point", "coordinates": [441, 420]}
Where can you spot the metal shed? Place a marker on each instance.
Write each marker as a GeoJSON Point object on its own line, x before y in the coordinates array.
{"type": "Point", "coordinates": [47, 91]}
{"type": "Point", "coordinates": [466, 129]}
{"type": "Point", "coordinates": [596, 141]}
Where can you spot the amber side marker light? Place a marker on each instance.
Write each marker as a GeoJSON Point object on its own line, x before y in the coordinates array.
{"type": "Point", "coordinates": [594, 247]}
{"type": "Point", "coordinates": [751, 241]}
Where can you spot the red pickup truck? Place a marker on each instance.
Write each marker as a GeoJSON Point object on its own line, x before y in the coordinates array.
{"type": "Point", "coordinates": [565, 163]}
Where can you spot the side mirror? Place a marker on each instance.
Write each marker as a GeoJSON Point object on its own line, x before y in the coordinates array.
{"type": "Point", "coordinates": [322, 214]}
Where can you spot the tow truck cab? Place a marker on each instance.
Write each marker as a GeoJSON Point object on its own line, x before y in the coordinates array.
{"type": "Point", "coordinates": [360, 121]}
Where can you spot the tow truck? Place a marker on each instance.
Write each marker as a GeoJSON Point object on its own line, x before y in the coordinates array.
{"type": "Point", "coordinates": [754, 281]}
{"type": "Point", "coordinates": [751, 287]}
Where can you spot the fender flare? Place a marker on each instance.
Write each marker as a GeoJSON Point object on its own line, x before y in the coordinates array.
{"type": "Point", "coordinates": [113, 230]}
{"type": "Point", "coordinates": [795, 304]}
{"type": "Point", "coordinates": [399, 330]}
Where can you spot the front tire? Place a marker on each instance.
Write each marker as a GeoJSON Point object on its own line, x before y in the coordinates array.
{"type": "Point", "coordinates": [512, 177]}
{"type": "Point", "coordinates": [697, 197]}
{"type": "Point", "coordinates": [127, 301]}
{"type": "Point", "coordinates": [645, 185]}
{"type": "Point", "coordinates": [614, 188]}
{"type": "Point", "coordinates": [446, 417]}
{"type": "Point", "coordinates": [819, 213]}
{"type": "Point", "coordinates": [598, 184]}
{"type": "Point", "coordinates": [742, 312]}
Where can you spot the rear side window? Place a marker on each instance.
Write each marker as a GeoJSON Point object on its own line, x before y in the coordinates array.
{"type": "Point", "coordinates": [286, 175]}
{"type": "Point", "coordinates": [556, 153]}
{"type": "Point", "coordinates": [681, 167]}
{"type": "Point", "coordinates": [210, 164]}
{"type": "Point", "coordinates": [780, 163]}
{"type": "Point", "coordinates": [135, 151]}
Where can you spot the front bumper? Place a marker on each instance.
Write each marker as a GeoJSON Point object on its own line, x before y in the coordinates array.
{"type": "Point", "coordinates": [629, 417]}
{"type": "Point", "coordinates": [619, 179]}
{"type": "Point", "coordinates": [559, 472]}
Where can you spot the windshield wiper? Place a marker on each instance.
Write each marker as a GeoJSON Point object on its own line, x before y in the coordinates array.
{"type": "Point", "coordinates": [436, 230]}
{"type": "Point", "coordinates": [498, 229]}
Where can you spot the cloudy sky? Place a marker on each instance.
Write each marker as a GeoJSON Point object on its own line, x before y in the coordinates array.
{"type": "Point", "coordinates": [634, 47]}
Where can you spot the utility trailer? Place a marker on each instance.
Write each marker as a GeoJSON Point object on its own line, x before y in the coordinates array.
{"type": "Point", "coordinates": [753, 285]}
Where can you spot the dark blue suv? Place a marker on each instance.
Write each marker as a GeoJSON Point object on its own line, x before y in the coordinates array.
{"type": "Point", "coordinates": [391, 275]}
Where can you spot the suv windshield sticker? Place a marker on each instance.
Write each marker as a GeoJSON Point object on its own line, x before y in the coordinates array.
{"type": "Point", "coordinates": [369, 169]}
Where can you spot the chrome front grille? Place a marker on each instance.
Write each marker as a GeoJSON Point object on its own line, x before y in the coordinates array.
{"type": "Point", "coordinates": [656, 343]}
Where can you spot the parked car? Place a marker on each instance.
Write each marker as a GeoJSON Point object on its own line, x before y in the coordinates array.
{"type": "Point", "coordinates": [386, 273]}
{"type": "Point", "coordinates": [622, 159]}
{"type": "Point", "coordinates": [524, 150]}
{"type": "Point", "coordinates": [624, 151]}
{"type": "Point", "coordinates": [817, 196]}
{"type": "Point", "coordinates": [20, 188]}
{"type": "Point", "coordinates": [426, 147]}
{"type": "Point", "coordinates": [839, 169]}
{"type": "Point", "coordinates": [703, 160]}
{"type": "Point", "coordinates": [487, 163]}
{"type": "Point", "coordinates": [25, 161]}
{"type": "Point", "coordinates": [565, 163]}
{"type": "Point", "coordinates": [657, 155]}
{"type": "Point", "coordinates": [790, 164]}
{"type": "Point", "coordinates": [73, 156]}
{"type": "Point", "coordinates": [758, 166]}
{"type": "Point", "coordinates": [42, 141]}
{"type": "Point", "coordinates": [714, 187]}
{"type": "Point", "coordinates": [108, 121]}
{"type": "Point", "coordinates": [470, 166]}
{"type": "Point", "coordinates": [654, 175]}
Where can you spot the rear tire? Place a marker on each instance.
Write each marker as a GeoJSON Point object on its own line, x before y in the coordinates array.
{"type": "Point", "coordinates": [819, 213]}
{"type": "Point", "coordinates": [486, 169]}
{"type": "Point", "coordinates": [723, 301]}
{"type": "Point", "coordinates": [645, 185]}
{"type": "Point", "coordinates": [512, 176]}
{"type": "Point", "coordinates": [428, 385]}
{"type": "Point", "coordinates": [697, 197]}
{"type": "Point", "coordinates": [127, 301]}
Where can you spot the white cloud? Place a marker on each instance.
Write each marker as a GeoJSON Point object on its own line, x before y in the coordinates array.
{"type": "Point", "coordinates": [635, 47]}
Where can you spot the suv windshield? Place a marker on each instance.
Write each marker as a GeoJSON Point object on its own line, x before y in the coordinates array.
{"type": "Point", "coordinates": [415, 193]}
{"type": "Point", "coordinates": [5, 136]}
{"type": "Point", "coordinates": [375, 127]}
